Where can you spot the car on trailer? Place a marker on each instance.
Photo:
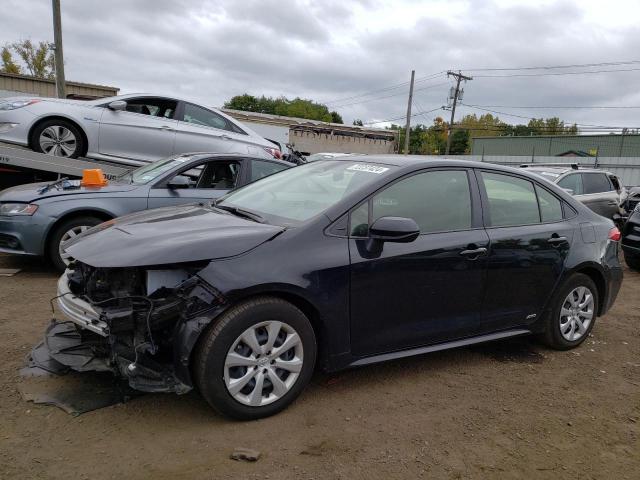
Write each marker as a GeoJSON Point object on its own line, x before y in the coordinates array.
{"type": "Point", "coordinates": [130, 129]}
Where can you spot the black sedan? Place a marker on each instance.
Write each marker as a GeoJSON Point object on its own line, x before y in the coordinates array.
{"type": "Point", "coordinates": [337, 263]}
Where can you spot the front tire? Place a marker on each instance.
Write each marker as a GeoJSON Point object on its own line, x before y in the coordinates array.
{"type": "Point", "coordinates": [632, 261]}
{"type": "Point", "coordinates": [63, 232]}
{"type": "Point", "coordinates": [59, 138]}
{"type": "Point", "coordinates": [573, 313]}
{"type": "Point", "coordinates": [256, 359]}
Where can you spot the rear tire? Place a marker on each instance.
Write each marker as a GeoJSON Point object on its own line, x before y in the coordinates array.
{"type": "Point", "coordinates": [256, 359]}
{"type": "Point", "coordinates": [59, 138]}
{"type": "Point", "coordinates": [64, 232]}
{"type": "Point", "coordinates": [572, 314]}
{"type": "Point", "coordinates": [632, 261]}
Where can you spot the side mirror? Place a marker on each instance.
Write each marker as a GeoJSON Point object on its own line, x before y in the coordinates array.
{"type": "Point", "coordinates": [394, 229]}
{"type": "Point", "coordinates": [179, 181]}
{"type": "Point", "coordinates": [118, 105]}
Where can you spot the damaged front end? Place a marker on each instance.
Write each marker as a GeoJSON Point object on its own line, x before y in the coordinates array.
{"type": "Point", "coordinates": [140, 323]}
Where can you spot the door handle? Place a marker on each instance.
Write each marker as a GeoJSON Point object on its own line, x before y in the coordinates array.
{"type": "Point", "coordinates": [226, 137]}
{"type": "Point", "coordinates": [474, 253]}
{"type": "Point", "coordinates": [165, 127]}
{"type": "Point", "coordinates": [613, 203]}
{"type": "Point", "coordinates": [557, 240]}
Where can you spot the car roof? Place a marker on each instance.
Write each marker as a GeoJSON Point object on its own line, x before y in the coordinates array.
{"type": "Point", "coordinates": [227, 156]}
{"type": "Point", "coordinates": [399, 160]}
{"type": "Point", "coordinates": [561, 169]}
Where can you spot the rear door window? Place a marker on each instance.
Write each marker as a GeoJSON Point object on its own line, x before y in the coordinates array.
{"type": "Point", "coordinates": [596, 183]}
{"type": "Point", "coordinates": [572, 182]}
{"type": "Point", "coordinates": [206, 118]}
{"type": "Point", "coordinates": [512, 200]}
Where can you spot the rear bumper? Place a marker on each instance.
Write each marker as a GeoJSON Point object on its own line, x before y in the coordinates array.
{"type": "Point", "coordinates": [614, 281]}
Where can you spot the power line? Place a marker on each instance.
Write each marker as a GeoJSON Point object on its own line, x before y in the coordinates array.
{"type": "Point", "coordinates": [533, 107]}
{"type": "Point", "coordinates": [552, 67]}
{"type": "Point", "coordinates": [551, 74]}
{"type": "Point", "coordinates": [388, 96]}
{"type": "Point", "coordinates": [402, 116]}
{"type": "Point", "coordinates": [384, 89]}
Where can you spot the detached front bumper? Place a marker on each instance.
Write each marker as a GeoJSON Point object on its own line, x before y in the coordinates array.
{"type": "Point", "coordinates": [145, 340]}
{"type": "Point", "coordinates": [80, 312]}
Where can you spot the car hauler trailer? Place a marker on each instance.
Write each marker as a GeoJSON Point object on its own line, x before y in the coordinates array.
{"type": "Point", "coordinates": [20, 165]}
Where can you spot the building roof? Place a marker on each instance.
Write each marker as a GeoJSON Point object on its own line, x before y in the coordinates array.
{"type": "Point", "coordinates": [52, 81]}
{"type": "Point", "coordinates": [307, 124]}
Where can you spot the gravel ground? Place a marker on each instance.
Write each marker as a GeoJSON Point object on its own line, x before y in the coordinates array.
{"type": "Point", "coordinates": [504, 410]}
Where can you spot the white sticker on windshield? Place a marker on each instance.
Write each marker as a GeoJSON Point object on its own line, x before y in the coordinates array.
{"type": "Point", "coordinates": [362, 167]}
{"type": "Point", "coordinates": [550, 174]}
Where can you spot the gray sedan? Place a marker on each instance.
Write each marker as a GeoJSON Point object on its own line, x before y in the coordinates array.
{"type": "Point", "coordinates": [37, 218]}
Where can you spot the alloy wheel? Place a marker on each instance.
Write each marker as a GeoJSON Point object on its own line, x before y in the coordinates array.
{"type": "Point", "coordinates": [263, 363]}
{"type": "Point", "coordinates": [58, 141]}
{"type": "Point", "coordinates": [68, 235]}
{"type": "Point", "coordinates": [576, 313]}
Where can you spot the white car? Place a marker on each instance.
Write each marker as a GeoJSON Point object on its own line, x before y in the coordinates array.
{"type": "Point", "coordinates": [136, 127]}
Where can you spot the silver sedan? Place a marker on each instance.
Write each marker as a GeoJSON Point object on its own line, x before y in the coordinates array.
{"type": "Point", "coordinates": [130, 129]}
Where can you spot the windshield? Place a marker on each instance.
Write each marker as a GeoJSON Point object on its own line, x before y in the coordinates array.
{"type": "Point", "coordinates": [150, 172]}
{"type": "Point", "coordinates": [298, 194]}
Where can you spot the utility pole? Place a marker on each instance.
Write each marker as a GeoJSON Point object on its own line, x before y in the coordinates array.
{"type": "Point", "coordinates": [407, 130]}
{"type": "Point", "coordinates": [59, 58]}
{"type": "Point", "coordinates": [456, 95]}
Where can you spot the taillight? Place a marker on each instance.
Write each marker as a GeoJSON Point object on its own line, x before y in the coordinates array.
{"type": "Point", "coordinates": [274, 151]}
{"type": "Point", "coordinates": [614, 234]}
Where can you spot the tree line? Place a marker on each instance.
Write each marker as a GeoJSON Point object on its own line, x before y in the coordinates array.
{"type": "Point", "coordinates": [298, 107]}
{"type": "Point", "coordinates": [432, 140]}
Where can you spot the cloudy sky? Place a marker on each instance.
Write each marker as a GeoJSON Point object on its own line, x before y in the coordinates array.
{"type": "Point", "coordinates": [356, 55]}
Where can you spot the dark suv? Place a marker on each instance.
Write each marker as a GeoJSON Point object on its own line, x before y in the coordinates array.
{"type": "Point", "coordinates": [631, 239]}
{"type": "Point", "coordinates": [336, 263]}
{"type": "Point", "coordinates": [601, 191]}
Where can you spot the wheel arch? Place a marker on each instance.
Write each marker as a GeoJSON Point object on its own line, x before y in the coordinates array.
{"type": "Point", "coordinates": [80, 212]}
{"type": "Point", "coordinates": [31, 139]}
{"type": "Point", "coordinates": [295, 298]}
{"type": "Point", "coordinates": [595, 273]}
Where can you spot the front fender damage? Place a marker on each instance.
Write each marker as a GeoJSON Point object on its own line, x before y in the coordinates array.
{"type": "Point", "coordinates": [140, 324]}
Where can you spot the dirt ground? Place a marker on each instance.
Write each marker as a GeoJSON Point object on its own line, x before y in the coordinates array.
{"type": "Point", "coordinates": [504, 410]}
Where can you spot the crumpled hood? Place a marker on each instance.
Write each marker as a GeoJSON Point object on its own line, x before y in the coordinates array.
{"type": "Point", "coordinates": [29, 192]}
{"type": "Point", "coordinates": [187, 233]}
